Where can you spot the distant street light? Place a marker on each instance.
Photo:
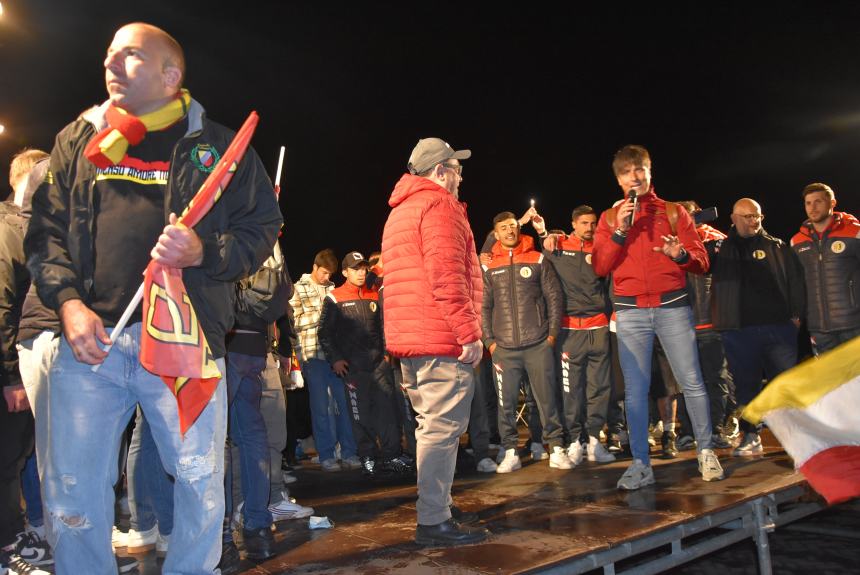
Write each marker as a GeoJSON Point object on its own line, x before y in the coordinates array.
{"type": "Point", "coordinates": [2, 128]}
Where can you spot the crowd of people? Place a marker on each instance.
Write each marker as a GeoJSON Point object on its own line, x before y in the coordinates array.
{"type": "Point", "coordinates": [640, 317]}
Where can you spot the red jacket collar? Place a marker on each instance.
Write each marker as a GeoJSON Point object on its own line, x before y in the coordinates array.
{"type": "Point", "coordinates": [527, 244]}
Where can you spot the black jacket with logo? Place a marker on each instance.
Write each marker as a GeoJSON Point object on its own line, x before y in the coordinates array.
{"type": "Point", "coordinates": [237, 234]}
{"type": "Point", "coordinates": [831, 262]}
{"type": "Point", "coordinates": [761, 254]}
{"type": "Point", "coordinates": [351, 327]}
{"type": "Point", "coordinates": [523, 301]}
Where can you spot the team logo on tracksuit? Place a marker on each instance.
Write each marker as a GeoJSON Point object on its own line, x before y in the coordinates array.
{"type": "Point", "coordinates": [499, 370]}
{"type": "Point", "coordinates": [837, 247]}
{"type": "Point", "coordinates": [353, 398]}
{"type": "Point", "coordinates": [204, 157]}
{"type": "Point", "coordinates": [565, 371]}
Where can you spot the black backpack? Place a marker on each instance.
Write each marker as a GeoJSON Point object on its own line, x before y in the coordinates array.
{"type": "Point", "coordinates": [266, 293]}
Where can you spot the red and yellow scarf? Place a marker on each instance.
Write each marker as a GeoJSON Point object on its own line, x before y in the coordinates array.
{"type": "Point", "coordinates": [110, 145]}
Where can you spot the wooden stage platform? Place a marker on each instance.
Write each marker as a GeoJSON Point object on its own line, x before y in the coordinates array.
{"type": "Point", "coordinates": [543, 520]}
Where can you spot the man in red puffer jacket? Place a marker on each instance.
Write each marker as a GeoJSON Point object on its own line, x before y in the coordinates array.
{"type": "Point", "coordinates": [433, 290]}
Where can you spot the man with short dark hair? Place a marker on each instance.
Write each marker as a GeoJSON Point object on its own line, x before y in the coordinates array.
{"type": "Point", "coordinates": [583, 343]}
{"type": "Point", "coordinates": [521, 319]}
{"type": "Point", "coordinates": [828, 246]}
{"type": "Point", "coordinates": [758, 299]}
{"type": "Point", "coordinates": [329, 409]}
{"type": "Point", "coordinates": [433, 324]}
{"type": "Point", "coordinates": [648, 245]}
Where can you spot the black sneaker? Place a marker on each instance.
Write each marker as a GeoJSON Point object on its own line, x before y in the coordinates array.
{"type": "Point", "coordinates": [33, 549]}
{"type": "Point", "coordinates": [667, 443]}
{"type": "Point", "coordinates": [449, 533]}
{"type": "Point", "coordinates": [258, 543]}
{"type": "Point", "coordinates": [14, 565]}
{"type": "Point", "coordinates": [399, 465]}
{"type": "Point", "coordinates": [126, 564]}
{"type": "Point", "coordinates": [368, 466]}
{"type": "Point", "coordinates": [229, 563]}
{"type": "Point", "coordinates": [719, 441]}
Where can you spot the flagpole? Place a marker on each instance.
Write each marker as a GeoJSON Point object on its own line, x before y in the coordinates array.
{"type": "Point", "coordinates": [123, 320]}
{"type": "Point", "coordinates": [278, 171]}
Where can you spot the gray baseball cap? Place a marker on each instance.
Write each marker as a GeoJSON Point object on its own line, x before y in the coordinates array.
{"type": "Point", "coordinates": [431, 151]}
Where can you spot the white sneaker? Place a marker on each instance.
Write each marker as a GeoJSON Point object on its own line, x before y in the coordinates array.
{"type": "Point", "coordinates": [751, 445]}
{"type": "Point", "coordinates": [637, 475]}
{"type": "Point", "coordinates": [287, 508]}
{"type": "Point", "coordinates": [141, 541]}
{"type": "Point", "coordinates": [709, 466]}
{"type": "Point", "coordinates": [162, 543]}
{"type": "Point", "coordinates": [510, 462]}
{"type": "Point", "coordinates": [558, 459]}
{"type": "Point", "coordinates": [352, 462]}
{"type": "Point", "coordinates": [288, 478]}
{"type": "Point", "coordinates": [597, 452]}
{"type": "Point", "coordinates": [118, 539]}
{"type": "Point", "coordinates": [487, 465]}
{"type": "Point", "coordinates": [538, 452]}
{"type": "Point", "coordinates": [330, 465]}
{"type": "Point", "coordinates": [574, 452]}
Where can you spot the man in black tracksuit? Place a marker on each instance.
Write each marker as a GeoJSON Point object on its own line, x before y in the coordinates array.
{"type": "Point", "coordinates": [584, 341]}
{"type": "Point", "coordinates": [350, 334]}
{"type": "Point", "coordinates": [521, 315]}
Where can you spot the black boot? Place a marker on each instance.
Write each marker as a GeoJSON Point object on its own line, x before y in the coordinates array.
{"type": "Point", "coordinates": [449, 533]}
{"type": "Point", "coordinates": [229, 563]}
{"type": "Point", "coordinates": [670, 450]}
{"type": "Point", "coordinates": [258, 543]}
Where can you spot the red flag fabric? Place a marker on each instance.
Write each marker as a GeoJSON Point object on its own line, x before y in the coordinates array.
{"type": "Point", "coordinates": [173, 344]}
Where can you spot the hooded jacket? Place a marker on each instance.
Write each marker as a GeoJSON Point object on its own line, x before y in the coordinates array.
{"type": "Point", "coordinates": [432, 281]}
{"type": "Point", "coordinates": [237, 234]}
{"type": "Point", "coordinates": [641, 276]}
{"type": "Point", "coordinates": [831, 265]}
{"type": "Point", "coordinates": [523, 301]}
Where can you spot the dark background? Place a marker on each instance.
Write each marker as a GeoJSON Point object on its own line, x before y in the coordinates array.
{"type": "Point", "coordinates": [739, 99]}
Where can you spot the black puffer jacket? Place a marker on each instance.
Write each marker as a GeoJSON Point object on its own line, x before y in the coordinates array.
{"type": "Point", "coordinates": [523, 300]}
{"type": "Point", "coordinates": [831, 263]}
{"type": "Point", "coordinates": [351, 327]}
{"type": "Point", "coordinates": [237, 234]}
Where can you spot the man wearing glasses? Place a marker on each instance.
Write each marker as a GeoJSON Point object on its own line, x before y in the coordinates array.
{"type": "Point", "coordinates": [758, 299]}
{"type": "Point", "coordinates": [433, 291]}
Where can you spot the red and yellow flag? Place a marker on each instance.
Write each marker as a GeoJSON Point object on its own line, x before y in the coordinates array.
{"type": "Point", "coordinates": [173, 344]}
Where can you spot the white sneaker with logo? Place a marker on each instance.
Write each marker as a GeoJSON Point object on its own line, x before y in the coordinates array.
{"type": "Point", "coordinates": [597, 452]}
{"type": "Point", "coordinates": [751, 445]}
{"type": "Point", "coordinates": [510, 462]}
{"type": "Point", "coordinates": [558, 459]}
{"type": "Point", "coordinates": [637, 475]}
{"type": "Point", "coordinates": [709, 466]}
{"type": "Point", "coordinates": [575, 452]}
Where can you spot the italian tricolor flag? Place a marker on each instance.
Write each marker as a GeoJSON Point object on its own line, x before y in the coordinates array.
{"type": "Point", "coordinates": [814, 412]}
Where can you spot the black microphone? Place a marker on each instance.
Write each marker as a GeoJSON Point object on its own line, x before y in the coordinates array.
{"type": "Point", "coordinates": [631, 195]}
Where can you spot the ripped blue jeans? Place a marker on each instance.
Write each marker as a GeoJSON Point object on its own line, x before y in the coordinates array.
{"type": "Point", "coordinates": [87, 413]}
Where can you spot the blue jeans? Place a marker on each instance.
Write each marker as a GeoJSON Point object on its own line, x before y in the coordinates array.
{"type": "Point", "coordinates": [30, 488]}
{"type": "Point", "coordinates": [150, 488]}
{"type": "Point", "coordinates": [88, 413]}
{"type": "Point", "coordinates": [674, 326]}
{"type": "Point", "coordinates": [756, 351]}
{"type": "Point", "coordinates": [247, 432]}
{"type": "Point", "coordinates": [322, 381]}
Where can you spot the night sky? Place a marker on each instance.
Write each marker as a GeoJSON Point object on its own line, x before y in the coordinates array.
{"type": "Point", "coordinates": [741, 99]}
